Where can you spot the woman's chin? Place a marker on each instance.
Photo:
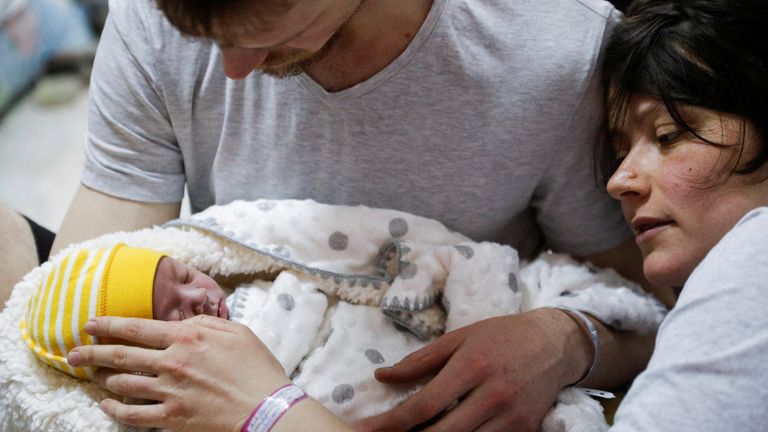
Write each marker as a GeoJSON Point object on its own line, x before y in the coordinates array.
{"type": "Point", "coordinates": [667, 272]}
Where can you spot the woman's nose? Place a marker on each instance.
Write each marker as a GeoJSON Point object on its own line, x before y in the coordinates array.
{"type": "Point", "coordinates": [238, 63]}
{"type": "Point", "coordinates": [628, 180]}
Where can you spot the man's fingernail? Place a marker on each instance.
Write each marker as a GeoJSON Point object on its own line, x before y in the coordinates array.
{"type": "Point", "coordinates": [74, 358]}
{"type": "Point", "coordinates": [90, 326]}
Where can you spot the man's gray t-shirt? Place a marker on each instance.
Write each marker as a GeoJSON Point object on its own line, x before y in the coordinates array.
{"type": "Point", "coordinates": [709, 370]}
{"type": "Point", "coordinates": [485, 122]}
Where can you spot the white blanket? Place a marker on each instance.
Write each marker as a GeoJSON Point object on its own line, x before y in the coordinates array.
{"type": "Point", "coordinates": [354, 289]}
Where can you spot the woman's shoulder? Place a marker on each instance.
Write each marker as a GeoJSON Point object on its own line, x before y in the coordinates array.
{"type": "Point", "coordinates": [740, 257]}
{"type": "Point", "coordinates": [755, 218]}
{"type": "Point", "coordinates": [750, 234]}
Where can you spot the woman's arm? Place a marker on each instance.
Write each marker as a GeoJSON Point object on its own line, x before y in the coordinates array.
{"type": "Point", "coordinates": [709, 370]}
{"type": "Point", "coordinates": [205, 372]}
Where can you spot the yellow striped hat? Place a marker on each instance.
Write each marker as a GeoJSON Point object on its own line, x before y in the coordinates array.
{"type": "Point", "coordinates": [114, 281]}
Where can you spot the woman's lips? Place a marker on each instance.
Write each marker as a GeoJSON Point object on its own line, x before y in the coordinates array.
{"type": "Point", "coordinates": [646, 228]}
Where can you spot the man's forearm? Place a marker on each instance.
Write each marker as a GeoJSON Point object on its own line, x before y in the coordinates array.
{"type": "Point", "coordinates": [93, 213]}
{"type": "Point", "coordinates": [18, 253]}
{"type": "Point", "coordinates": [623, 354]}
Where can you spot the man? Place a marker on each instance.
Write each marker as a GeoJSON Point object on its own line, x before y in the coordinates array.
{"type": "Point", "coordinates": [478, 114]}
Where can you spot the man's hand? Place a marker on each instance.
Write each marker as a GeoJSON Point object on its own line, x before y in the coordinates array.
{"type": "Point", "coordinates": [206, 373]}
{"type": "Point", "coordinates": [501, 374]}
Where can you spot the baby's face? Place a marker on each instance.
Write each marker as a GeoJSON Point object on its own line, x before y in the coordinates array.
{"type": "Point", "coordinates": [181, 292]}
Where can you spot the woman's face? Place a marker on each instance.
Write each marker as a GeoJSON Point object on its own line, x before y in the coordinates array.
{"type": "Point", "coordinates": [181, 292]}
{"type": "Point", "coordinates": [676, 190]}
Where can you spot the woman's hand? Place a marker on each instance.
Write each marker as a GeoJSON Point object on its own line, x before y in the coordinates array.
{"type": "Point", "coordinates": [505, 373]}
{"type": "Point", "coordinates": [205, 373]}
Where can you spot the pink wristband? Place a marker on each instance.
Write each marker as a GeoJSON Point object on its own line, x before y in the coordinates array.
{"type": "Point", "coordinates": [272, 408]}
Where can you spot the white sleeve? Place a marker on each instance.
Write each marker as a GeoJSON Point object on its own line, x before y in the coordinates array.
{"type": "Point", "coordinates": [709, 371]}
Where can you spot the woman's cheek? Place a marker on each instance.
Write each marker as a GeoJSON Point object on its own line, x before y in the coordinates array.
{"type": "Point", "coordinates": [691, 173]}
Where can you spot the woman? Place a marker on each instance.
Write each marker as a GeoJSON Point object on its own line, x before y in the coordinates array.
{"type": "Point", "coordinates": [687, 149]}
{"type": "Point", "coordinates": [687, 153]}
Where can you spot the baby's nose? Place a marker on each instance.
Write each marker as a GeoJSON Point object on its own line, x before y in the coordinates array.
{"type": "Point", "coordinates": [198, 300]}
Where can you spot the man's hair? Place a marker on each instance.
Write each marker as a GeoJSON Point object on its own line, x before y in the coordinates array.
{"type": "Point", "coordinates": [223, 20]}
{"type": "Point", "coordinates": [705, 53]}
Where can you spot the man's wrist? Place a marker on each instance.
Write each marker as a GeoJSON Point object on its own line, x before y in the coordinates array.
{"type": "Point", "coordinates": [577, 347]}
{"type": "Point", "coordinates": [590, 331]}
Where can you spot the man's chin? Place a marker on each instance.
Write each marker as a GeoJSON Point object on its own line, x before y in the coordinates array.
{"type": "Point", "coordinates": [297, 65]}
{"type": "Point", "coordinates": [281, 72]}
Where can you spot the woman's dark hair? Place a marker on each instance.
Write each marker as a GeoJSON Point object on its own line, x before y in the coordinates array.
{"type": "Point", "coordinates": [706, 53]}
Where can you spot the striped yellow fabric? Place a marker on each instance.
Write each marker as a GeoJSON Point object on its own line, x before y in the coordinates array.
{"type": "Point", "coordinates": [80, 288]}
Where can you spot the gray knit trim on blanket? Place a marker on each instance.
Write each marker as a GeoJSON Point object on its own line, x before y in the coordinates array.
{"type": "Point", "coordinates": [278, 255]}
{"type": "Point", "coordinates": [388, 264]}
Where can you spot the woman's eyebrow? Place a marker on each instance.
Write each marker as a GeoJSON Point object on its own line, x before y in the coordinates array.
{"type": "Point", "coordinates": [643, 114]}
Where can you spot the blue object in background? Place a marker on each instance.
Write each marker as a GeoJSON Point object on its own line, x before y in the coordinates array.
{"type": "Point", "coordinates": [33, 34]}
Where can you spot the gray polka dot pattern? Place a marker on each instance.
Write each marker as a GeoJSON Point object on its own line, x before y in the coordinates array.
{"type": "Point", "coordinates": [467, 251]}
{"type": "Point", "coordinates": [408, 271]}
{"type": "Point", "coordinates": [513, 283]}
{"type": "Point", "coordinates": [266, 205]}
{"type": "Point", "coordinates": [343, 393]}
{"type": "Point", "coordinates": [398, 227]}
{"type": "Point", "coordinates": [374, 356]}
{"type": "Point", "coordinates": [286, 301]}
{"type": "Point", "coordinates": [567, 293]}
{"type": "Point", "coordinates": [338, 241]}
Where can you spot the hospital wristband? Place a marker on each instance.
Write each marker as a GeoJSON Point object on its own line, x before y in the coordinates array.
{"type": "Point", "coordinates": [272, 408]}
{"type": "Point", "coordinates": [592, 333]}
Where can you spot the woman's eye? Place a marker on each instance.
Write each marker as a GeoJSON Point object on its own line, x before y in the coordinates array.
{"type": "Point", "coordinates": [669, 136]}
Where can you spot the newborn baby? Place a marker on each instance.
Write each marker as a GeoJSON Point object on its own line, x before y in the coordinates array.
{"type": "Point", "coordinates": [117, 281]}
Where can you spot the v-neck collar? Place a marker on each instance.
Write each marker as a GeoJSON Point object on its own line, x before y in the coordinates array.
{"type": "Point", "coordinates": [385, 74]}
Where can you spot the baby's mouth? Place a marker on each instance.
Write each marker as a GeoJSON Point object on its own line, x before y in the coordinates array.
{"type": "Point", "coordinates": [222, 311]}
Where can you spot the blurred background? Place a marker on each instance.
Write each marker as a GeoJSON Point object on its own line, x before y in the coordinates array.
{"type": "Point", "coordinates": [46, 51]}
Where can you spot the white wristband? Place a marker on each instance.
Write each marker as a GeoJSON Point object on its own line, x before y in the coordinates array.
{"type": "Point", "coordinates": [272, 408]}
{"type": "Point", "coordinates": [594, 336]}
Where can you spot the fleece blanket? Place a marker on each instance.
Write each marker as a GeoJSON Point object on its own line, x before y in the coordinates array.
{"type": "Point", "coordinates": [334, 292]}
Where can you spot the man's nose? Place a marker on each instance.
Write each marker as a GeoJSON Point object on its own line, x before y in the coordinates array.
{"type": "Point", "coordinates": [240, 62]}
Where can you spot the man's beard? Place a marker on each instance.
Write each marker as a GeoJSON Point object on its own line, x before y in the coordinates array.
{"type": "Point", "coordinates": [296, 62]}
